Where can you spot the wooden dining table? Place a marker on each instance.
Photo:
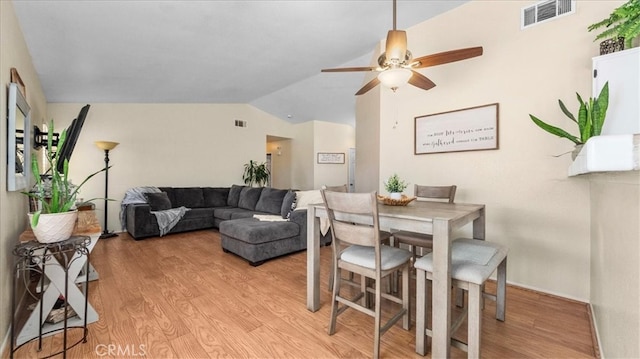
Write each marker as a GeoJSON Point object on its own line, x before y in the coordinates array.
{"type": "Point", "coordinates": [438, 219]}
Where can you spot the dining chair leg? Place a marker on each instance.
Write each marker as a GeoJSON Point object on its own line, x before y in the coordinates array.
{"type": "Point", "coordinates": [501, 291]}
{"type": "Point", "coordinates": [406, 300]}
{"type": "Point", "coordinates": [474, 324]}
{"type": "Point", "coordinates": [421, 312]}
{"type": "Point", "coordinates": [334, 302]}
{"type": "Point", "coordinates": [377, 321]}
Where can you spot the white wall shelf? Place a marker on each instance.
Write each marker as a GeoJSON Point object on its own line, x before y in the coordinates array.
{"type": "Point", "coordinates": [607, 154]}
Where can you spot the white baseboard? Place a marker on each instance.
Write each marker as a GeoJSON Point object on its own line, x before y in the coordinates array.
{"type": "Point", "coordinates": [561, 295]}
{"type": "Point", "coordinates": [594, 327]}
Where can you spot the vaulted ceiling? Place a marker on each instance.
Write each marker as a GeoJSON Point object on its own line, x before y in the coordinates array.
{"type": "Point", "coordinates": [266, 53]}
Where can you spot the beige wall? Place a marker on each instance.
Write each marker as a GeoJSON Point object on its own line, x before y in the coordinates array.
{"type": "Point", "coordinates": [281, 158]}
{"type": "Point", "coordinates": [13, 205]}
{"type": "Point", "coordinates": [615, 261]}
{"type": "Point", "coordinates": [166, 145]}
{"type": "Point", "coordinates": [336, 138]}
{"type": "Point", "coordinates": [576, 237]}
{"type": "Point", "coordinates": [319, 136]}
{"type": "Point", "coordinates": [532, 206]}
{"type": "Point", "coordinates": [368, 141]}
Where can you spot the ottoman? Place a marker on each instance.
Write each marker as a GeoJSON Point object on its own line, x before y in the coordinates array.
{"type": "Point", "coordinates": [257, 241]}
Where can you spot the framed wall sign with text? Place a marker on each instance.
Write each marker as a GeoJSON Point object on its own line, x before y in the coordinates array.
{"type": "Point", "coordinates": [469, 129]}
{"type": "Point", "coordinates": [330, 157]}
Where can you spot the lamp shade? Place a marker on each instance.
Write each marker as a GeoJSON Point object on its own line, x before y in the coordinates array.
{"type": "Point", "coordinates": [106, 145]}
{"type": "Point", "coordinates": [394, 78]}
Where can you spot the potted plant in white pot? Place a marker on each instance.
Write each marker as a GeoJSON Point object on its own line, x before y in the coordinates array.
{"type": "Point", "coordinates": [255, 173]}
{"type": "Point", "coordinates": [395, 186]}
{"type": "Point", "coordinates": [591, 116]}
{"type": "Point", "coordinates": [56, 216]}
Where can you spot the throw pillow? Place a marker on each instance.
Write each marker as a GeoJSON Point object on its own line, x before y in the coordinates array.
{"type": "Point", "coordinates": [288, 204]}
{"type": "Point", "coordinates": [249, 197]}
{"type": "Point", "coordinates": [234, 195]}
{"type": "Point", "coordinates": [215, 197]}
{"type": "Point", "coordinates": [271, 200]}
{"type": "Point", "coordinates": [190, 197]}
{"type": "Point", "coordinates": [305, 198]}
{"type": "Point", "coordinates": [158, 201]}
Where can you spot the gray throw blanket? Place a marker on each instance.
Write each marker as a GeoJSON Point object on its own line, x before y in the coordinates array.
{"type": "Point", "coordinates": [166, 219]}
{"type": "Point", "coordinates": [134, 195]}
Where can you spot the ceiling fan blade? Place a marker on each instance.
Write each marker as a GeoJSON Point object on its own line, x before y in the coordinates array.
{"type": "Point", "coordinates": [447, 57]}
{"type": "Point", "coordinates": [371, 84]}
{"type": "Point", "coordinates": [396, 46]}
{"type": "Point", "coordinates": [348, 69]}
{"type": "Point", "coordinates": [421, 81]}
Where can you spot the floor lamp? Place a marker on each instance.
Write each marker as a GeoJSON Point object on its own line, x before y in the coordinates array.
{"type": "Point", "coordinates": [106, 146]}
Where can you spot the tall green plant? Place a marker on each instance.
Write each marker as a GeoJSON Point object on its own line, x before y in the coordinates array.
{"type": "Point", "coordinates": [255, 173]}
{"type": "Point", "coordinates": [61, 197]}
{"type": "Point", "coordinates": [591, 116]}
{"type": "Point", "coordinates": [624, 21]}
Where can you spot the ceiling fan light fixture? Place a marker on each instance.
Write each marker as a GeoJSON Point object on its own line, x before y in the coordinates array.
{"type": "Point", "coordinates": [394, 78]}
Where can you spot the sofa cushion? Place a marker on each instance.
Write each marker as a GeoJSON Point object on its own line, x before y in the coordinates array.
{"type": "Point", "coordinates": [251, 230]}
{"type": "Point", "coordinates": [249, 197]}
{"type": "Point", "coordinates": [169, 192]}
{"type": "Point", "coordinates": [271, 200]}
{"type": "Point", "coordinates": [234, 195]}
{"type": "Point", "coordinates": [245, 213]}
{"type": "Point", "coordinates": [215, 197]}
{"type": "Point", "coordinates": [226, 212]}
{"type": "Point", "coordinates": [288, 204]}
{"type": "Point", "coordinates": [158, 201]}
{"type": "Point", "coordinates": [190, 197]}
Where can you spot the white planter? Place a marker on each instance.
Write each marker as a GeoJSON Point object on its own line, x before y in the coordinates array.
{"type": "Point", "coordinates": [54, 227]}
{"type": "Point", "coordinates": [395, 195]}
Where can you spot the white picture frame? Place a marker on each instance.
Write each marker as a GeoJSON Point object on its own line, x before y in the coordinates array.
{"type": "Point", "coordinates": [469, 129]}
{"type": "Point", "coordinates": [331, 157]}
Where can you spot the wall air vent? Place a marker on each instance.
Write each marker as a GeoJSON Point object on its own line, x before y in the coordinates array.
{"type": "Point", "coordinates": [545, 11]}
{"type": "Point", "coordinates": [241, 123]}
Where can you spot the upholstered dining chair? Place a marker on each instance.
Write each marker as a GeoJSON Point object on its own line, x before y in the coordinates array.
{"type": "Point", "coordinates": [472, 262]}
{"type": "Point", "coordinates": [384, 235]}
{"type": "Point", "coordinates": [358, 249]}
{"type": "Point", "coordinates": [414, 239]}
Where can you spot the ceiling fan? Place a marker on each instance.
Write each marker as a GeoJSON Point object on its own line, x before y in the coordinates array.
{"type": "Point", "coordinates": [396, 65]}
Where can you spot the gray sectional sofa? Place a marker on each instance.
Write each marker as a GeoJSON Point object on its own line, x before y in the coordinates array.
{"type": "Point", "coordinates": [231, 210]}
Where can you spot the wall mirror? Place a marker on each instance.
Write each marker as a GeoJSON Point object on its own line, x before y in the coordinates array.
{"type": "Point", "coordinates": [18, 141]}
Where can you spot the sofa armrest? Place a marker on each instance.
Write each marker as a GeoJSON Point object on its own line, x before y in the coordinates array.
{"type": "Point", "coordinates": [140, 222]}
{"type": "Point", "coordinates": [300, 217]}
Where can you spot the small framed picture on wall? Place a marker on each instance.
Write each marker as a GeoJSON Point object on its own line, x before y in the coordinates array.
{"type": "Point", "coordinates": [330, 158]}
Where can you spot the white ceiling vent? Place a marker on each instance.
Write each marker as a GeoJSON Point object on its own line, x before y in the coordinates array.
{"type": "Point", "coordinates": [546, 10]}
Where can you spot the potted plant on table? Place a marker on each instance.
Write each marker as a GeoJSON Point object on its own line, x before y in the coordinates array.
{"type": "Point", "coordinates": [591, 116]}
{"type": "Point", "coordinates": [622, 23]}
{"type": "Point", "coordinates": [395, 186]}
{"type": "Point", "coordinates": [56, 216]}
{"type": "Point", "coordinates": [255, 173]}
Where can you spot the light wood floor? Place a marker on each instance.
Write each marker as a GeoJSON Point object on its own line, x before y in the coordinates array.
{"type": "Point", "coordinates": [180, 296]}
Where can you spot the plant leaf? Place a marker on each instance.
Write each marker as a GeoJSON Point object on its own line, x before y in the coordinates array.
{"type": "Point", "coordinates": [566, 111]}
{"type": "Point", "coordinates": [600, 109]}
{"type": "Point", "coordinates": [555, 130]}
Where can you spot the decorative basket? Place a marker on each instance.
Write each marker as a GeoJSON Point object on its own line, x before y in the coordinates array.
{"type": "Point", "coordinates": [611, 45]}
{"type": "Point", "coordinates": [396, 202]}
